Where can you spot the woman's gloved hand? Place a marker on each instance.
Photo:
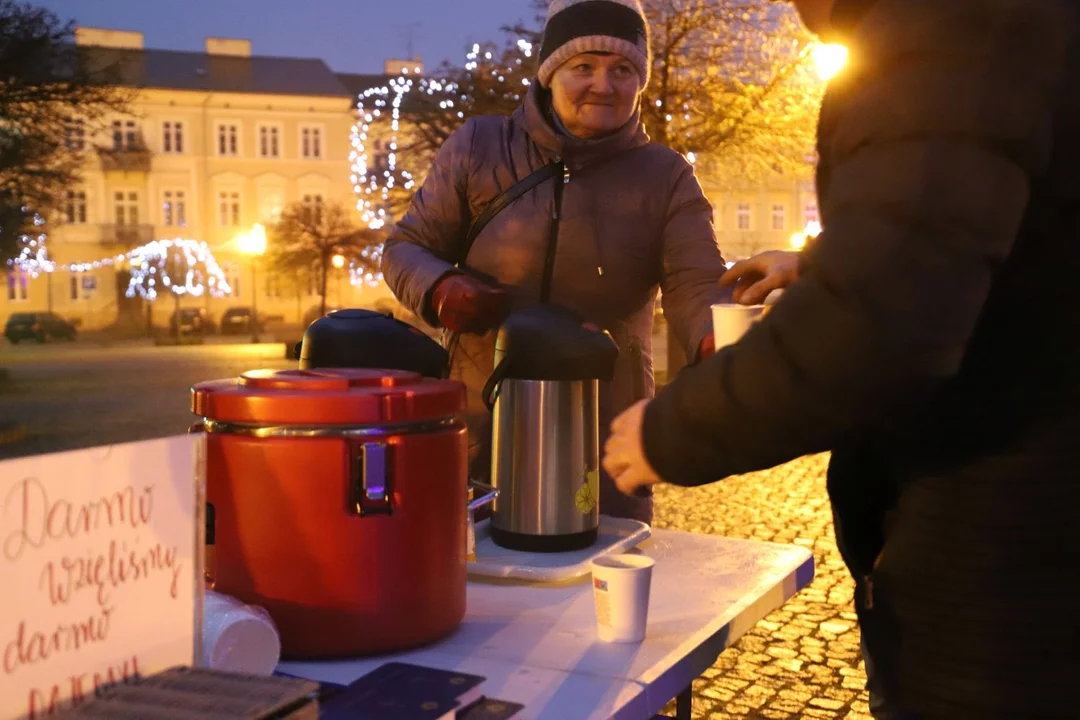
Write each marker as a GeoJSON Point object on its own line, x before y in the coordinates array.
{"type": "Point", "coordinates": [706, 348]}
{"type": "Point", "coordinates": [464, 304]}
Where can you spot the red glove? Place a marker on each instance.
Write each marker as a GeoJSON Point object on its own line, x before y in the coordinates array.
{"type": "Point", "coordinates": [707, 347]}
{"type": "Point", "coordinates": [464, 304]}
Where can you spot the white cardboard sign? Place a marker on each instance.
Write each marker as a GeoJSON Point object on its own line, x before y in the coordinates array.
{"type": "Point", "coordinates": [99, 569]}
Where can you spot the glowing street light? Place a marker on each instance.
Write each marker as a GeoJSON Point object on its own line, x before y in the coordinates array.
{"type": "Point", "coordinates": [799, 239]}
{"type": "Point", "coordinates": [253, 243]}
{"type": "Point", "coordinates": [829, 59]}
{"type": "Point", "coordinates": [338, 261]}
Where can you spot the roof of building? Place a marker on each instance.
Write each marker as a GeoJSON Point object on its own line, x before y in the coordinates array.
{"type": "Point", "coordinates": [200, 71]}
{"type": "Point", "coordinates": [357, 83]}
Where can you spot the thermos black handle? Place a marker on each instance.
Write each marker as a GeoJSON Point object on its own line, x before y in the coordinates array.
{"type": "Point", "coordinates": [490, 393]}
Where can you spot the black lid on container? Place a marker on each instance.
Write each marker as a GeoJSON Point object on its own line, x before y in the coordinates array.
{"type": "Point", "coordinates": [548, 342]}
{"type": "Point", "coordinates": [367, 339]}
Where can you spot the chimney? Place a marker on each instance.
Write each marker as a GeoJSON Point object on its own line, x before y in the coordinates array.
{"type": "Point", "coordinates": [228, 46]}
{"type": "Point", "coordinates": [100, 37]}
{"type": "Point", "coordinates": [404, 67]}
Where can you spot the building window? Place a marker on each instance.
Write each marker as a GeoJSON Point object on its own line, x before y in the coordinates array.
{"type": "Point", "coordinates": [742, 216]}
{"type": "Point", "coordinates": [83, 285]}
{"type": "Point", "coordinates": [313, 209]}
{"type": "Point", "coordinates": [228, 208]}
{"type": "Point", "coordinates": [779, 221]}
{"type": "Point", "coordinates": [18, 285]}
{"type": "Point", "coordinates": [270, 203]}
{"type": "Point", "coordinates": [75, 207]}
{"type": "Point", "coordinates": [75, 138]}
{"type": "Point", "coordinates": [228, 140]}
{"type": "Point", "coordinates": [269, 142]}
{"type": "Point", "coordinates": [810, 212]}
{"type": "Point", "coordinates": [273, 286]}
{"type": "Point", "coordinates": [126, 208]}
{"type": "Point", "coordinates": [311, 143]}
{"type": "Point", "coordinates": [125, 135]}
{"type": "Point", "coordinates": [172, 139]}
{"type": "Point", "coordinates": [174, 208]}
{"type": "Point", "coordinates": [232, 275]}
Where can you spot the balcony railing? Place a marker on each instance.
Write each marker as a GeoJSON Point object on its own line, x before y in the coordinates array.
{"type": "Point", "coordinates": [128, 235]}
{"type": "Point", "coordinates": [131, 158]}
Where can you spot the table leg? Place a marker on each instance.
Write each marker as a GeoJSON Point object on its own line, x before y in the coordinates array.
{"type": "Point", "coordinates": [683, 704]}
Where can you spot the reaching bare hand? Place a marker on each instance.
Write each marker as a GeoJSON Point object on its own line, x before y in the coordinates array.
{"type": "Point", "coordinates": [758, 276]}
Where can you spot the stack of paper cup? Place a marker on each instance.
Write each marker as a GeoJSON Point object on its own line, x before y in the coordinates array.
{"type": "Point", "coordinates": [731, 321]}
{"type": "Point", "coordinates": [238, 637]}
{"type": "Point", "coordinates": [621, 590]}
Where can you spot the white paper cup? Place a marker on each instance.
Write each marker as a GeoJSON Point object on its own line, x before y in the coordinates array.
{"type": "Point", "coordinates": [237, 637]}
{"type": "Point", "coordinates": [731, 321]}
{"type": "Point", "coordinates": [621, 590]}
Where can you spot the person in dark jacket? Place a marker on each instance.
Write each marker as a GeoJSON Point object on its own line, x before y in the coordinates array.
{"type": "Point", "coordinates": [931, 344]}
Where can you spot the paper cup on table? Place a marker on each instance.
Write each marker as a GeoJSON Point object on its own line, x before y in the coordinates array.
{"type": "Point", "coordinates": [621, 590]}
{"type": "Point", "coordinates": [237, 637]}
{"type": "Point", "coordinates": [731, 321]}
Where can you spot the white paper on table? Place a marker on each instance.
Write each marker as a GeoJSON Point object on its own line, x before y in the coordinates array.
{"type": "Point", "coordinates": [100, 567]}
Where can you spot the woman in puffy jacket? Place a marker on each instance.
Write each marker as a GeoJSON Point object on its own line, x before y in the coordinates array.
{"type": "Point", "coordinates": [631, 220]}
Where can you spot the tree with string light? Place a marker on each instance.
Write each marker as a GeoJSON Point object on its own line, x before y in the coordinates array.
{"type": "Point", "coordinates": [402, 124]}
{"type": "Point", "coordinates": [176, 268]}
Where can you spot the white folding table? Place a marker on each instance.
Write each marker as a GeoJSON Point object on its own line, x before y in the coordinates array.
{"type": "Point", "coordinates": [536, 643]}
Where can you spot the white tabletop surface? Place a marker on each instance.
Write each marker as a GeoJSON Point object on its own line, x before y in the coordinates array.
{"type": "Point", "coordinates": [537, 644]}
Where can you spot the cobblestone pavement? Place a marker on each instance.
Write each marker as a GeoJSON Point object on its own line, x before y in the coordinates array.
{"type": "Point", "coordinates": [801, 661]}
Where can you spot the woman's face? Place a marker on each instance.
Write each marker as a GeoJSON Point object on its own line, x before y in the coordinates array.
{"type": "Point", "coordinates": [595, 94]}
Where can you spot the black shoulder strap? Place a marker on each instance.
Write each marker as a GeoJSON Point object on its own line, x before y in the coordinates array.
{"type": "Point", "coordinates": [499, 204]}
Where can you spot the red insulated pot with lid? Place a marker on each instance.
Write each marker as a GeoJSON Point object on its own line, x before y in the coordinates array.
{"type": "Point", "coordinates": [338, 504]}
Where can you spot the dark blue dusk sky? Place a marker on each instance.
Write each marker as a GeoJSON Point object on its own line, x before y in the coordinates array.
{"type": "Point", "coordinates": [350, 35]}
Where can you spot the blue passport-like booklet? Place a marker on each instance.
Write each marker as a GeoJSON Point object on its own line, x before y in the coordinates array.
{"type": "Point", "coordinates": [401, 691]}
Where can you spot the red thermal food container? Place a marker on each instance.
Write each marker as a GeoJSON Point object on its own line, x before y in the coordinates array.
{"type": "Point", "coordinates": [339, 504]}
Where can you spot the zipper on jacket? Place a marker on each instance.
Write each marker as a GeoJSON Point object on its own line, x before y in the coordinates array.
{"type": "Point", "coordinates": [553, 234]}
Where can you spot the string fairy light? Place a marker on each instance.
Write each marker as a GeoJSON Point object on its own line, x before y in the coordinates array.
{"type": "Point", "coordinates": [183, 267]}
{"type": "Point", "coordinates": [199, 271]}
{"type": "Point", "coordinates": [379, 111]}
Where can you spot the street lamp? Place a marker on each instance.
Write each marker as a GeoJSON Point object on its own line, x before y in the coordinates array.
{"type": "Point", "coordinates": [253, 243]}
{"type": "Point", "coordinates": [829, 59]}
{"type": "Point", "coordinates": [799, 239]}
{"type": "Point", "coordinates": [338, 262]}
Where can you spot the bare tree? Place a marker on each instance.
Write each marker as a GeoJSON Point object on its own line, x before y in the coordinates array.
{"type": "Point", "coordinates": [308, 236]}
{"type": "Point", "coordinates": [52, 97]}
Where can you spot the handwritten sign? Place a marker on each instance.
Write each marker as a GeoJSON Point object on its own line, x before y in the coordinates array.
{"type": "Point", "coordinates": [98, 565]}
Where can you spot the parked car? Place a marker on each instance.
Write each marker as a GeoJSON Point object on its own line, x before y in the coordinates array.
{"type": "Point", "coordinates": [38, 326]}
{"type": "Point", "coordinates": [191, 321]}
{"type": "Point", "coordinates": [237, 320]}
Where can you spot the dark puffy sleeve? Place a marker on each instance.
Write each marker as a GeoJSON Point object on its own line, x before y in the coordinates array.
{"type": "Point", "coordinates": [690, 283]}
{"type": "Point", "coordinates": [945, 119]}
{"type": "Point", "coordinates": [424, 244]}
